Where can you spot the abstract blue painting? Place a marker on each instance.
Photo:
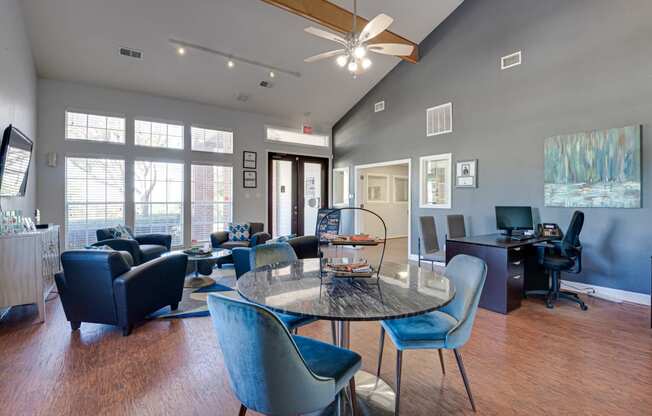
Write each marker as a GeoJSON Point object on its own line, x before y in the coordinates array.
{"type": "Point", "coordinates": [597, 169]}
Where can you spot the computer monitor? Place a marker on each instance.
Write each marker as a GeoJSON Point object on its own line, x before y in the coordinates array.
{"type": "Point", "coordinates": [513, 218]}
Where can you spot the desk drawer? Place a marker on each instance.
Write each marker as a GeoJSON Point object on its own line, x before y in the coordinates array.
{"type": "Point", "coordinates": [515, 254]}
{"type": "Point", "coordinates": [516, 267]}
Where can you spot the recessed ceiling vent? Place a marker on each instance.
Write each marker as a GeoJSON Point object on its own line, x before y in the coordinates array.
{"type": "Point", "coordinates": [511, 60]}
{"type": "Point", "coordinates": [131, 53]}
{"type": "Point", "coordinates": [266, 84]}
{"type": "Point", "coordinates": [242, 97]}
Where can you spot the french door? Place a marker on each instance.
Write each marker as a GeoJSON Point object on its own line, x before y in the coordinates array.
{"type": "Point", "coordinates": [297, 189]}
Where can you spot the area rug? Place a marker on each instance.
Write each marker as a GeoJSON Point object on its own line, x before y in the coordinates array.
{"type": "Point", "coordinates": [193, 301]}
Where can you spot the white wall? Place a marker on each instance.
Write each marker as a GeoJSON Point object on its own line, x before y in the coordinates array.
{"type": "Point", "coordinates": [394, 214]}
{"type": "Point", "coordinates": [249, 129]}
{"type": "Point", "coordinates": [17, 91]}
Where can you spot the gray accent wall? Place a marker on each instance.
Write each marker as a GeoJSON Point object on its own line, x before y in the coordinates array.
{"type": "Point", "coordinates": [586, 65]}
{"type": "Point", "coordinates": [17, 91]}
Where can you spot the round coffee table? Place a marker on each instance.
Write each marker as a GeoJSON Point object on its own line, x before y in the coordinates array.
{"type": "Point", "coordinates": [197, 281]}
{"type": "Point", "coordinates": [403, 290]}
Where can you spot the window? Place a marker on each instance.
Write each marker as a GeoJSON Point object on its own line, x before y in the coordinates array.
{"type": "Point", "coordinates": [153, 134]}
{"type": "Point", "coordinates": [377, 186]}
{"type": "Point", "coordinates": [341, 187]}
{"type": "Point", "coordinates": [95, 195]}
{"type": "Point", "coordinates": [212, 200]}
{"type": "Point", "coordinates": [401, 188]}
{"type": "Point", "coordinates": [93, 127]}
{"type": "Point", "coordinates": [207, 140]}
{"type": "Point", "coordinates": [158, 199]}
{"type": "Point", "coordinates": [435, 181]}
{"type": "Point", "coordinates": [295, 137]}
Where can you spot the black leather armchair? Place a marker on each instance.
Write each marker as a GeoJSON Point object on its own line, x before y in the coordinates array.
{"type": "Point", "coordinates": [143, 249]}
{"type": "Point", "coordinates": [98, 286]}
{"type": "Point", "coordinates": [562, 256]}
{"type": "Point", "coordinates": [257, 235]}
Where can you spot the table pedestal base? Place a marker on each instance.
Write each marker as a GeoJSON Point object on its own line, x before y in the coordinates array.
{"type": "Point", "coordinates": [374, 398]}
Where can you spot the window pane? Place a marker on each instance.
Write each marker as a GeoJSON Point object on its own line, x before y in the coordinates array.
{"type": "Point", "coordinates": [295, 137]}
{"type": "Point", "coordinates": [94, 127]}
{"type": "Point", "coordinates": [153, 134]}
{"type": "Point", "coordinates": [212, 200]}
{"type": "Point", "coordinates": [207, 140]}
{"type": "Point", "coordinates": [158, 197]}
{"type": "Point", "coordinates": [94, 198]}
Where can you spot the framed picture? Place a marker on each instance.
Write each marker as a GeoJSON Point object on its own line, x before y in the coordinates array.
{"type": "Point", "coordinates": [377, 188]}
{"type": "Point", "coordinates": [466, 174]}
{"type": "Point", "coordinates": [249, 179]}
{"type": "Point", "coordinates": [401, 189]}
{"type": "Point", "coordinates": [249, 160]}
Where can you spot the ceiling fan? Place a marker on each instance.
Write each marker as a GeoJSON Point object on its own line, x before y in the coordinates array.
{"type": "Point", "coordinates": [353, 53]}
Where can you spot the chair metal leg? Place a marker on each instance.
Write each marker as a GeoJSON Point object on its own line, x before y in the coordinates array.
{"type": "Point", "coordinates": [354, 402]}
{"type": "Point", "coordinates": [460, 364]}
{"type": "Point", "coordinates": [381, 346]}
{"type": "Point", "coordinates": [338, 404]}
{"type": "Point", "coordinates": [243, 410]}
{"type": "Point", "coordinates": [441, 361]}
{"type": "Point", "coordinates": [334, 332]}
{"type": "Point", "coordinates": [399, 365]}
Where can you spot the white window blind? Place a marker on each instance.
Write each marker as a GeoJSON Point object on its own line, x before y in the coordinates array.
{"type": "Point", "coordinates": [94, 127]}
{"type": "Point", "coordinates": [153, 134]}
{"type": "Point", "coordinates": [207, 140]}
{"type": "Point", "coordinates": [158, 199]}
{"type": "Point", "coordinates": [212, 200]}
{"type": "Point", "coordinates": [295, 137]}
{"type": "Point", "coordinates": [95, 195]}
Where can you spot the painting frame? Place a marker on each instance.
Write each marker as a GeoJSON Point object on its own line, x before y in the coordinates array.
{"type": "Point", "coordinates": [466, 173]}
{"type": "Point", "coordinates": [249, 179]}
{"type": "Point", "coordinates": [594, 169]}
{"type": "Point", "coordinates": [249, 160]}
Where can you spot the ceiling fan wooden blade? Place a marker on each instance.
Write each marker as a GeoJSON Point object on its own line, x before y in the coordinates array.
{"type": "Point", "coordinates": [324, 55]}
{"type": "Point", "coordinates": [326, 35]}
{"type": "Point", "coordinates": [396, 49]}
{"type": "Point", "coordinates": [375, 27]}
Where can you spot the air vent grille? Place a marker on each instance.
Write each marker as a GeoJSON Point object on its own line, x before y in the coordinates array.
{"type": "Point", "coordinates": [439, 120]}
{"type": "Point", "coordinates": [379, 106]}
{"type": "Point", "coordinates": [131, 53]}
{"type": "Point", "coordinates": [266, 84]}
{"type": "Point", "coordinates": [511, 60]}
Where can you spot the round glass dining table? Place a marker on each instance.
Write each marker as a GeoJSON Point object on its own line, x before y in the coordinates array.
{"type": "Point", "coordinates": [401, 291]}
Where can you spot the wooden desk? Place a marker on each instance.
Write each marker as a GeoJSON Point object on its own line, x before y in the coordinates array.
{"type": "Point", "coordinates": [512, 268]}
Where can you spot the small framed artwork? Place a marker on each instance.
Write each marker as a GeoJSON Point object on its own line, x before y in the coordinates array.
{"type": "Point", "coordinates": [466, 174]}
{"type": "Point", "coordinates": [249, 160]}
{"type": "Point", "coordinates": [249, 179]}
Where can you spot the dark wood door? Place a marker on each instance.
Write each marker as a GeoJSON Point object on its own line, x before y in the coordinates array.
{"type": "Point", "coordinates": [297, 187]}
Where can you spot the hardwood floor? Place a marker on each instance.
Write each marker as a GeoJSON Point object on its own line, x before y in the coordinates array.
{"type": "Point", "coordinates": [535, 361]}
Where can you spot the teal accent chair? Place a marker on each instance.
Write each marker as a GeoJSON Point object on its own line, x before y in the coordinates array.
{"type": "Point", "coordinates": [272, 371]}
{"type": "Point", "coordinates": [448, 328]}
{"type": "Point", "coordinates": [245, 259]}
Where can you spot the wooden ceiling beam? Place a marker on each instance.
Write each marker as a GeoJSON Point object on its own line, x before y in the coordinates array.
{"type": "Point", "coordinates": [340, 20]}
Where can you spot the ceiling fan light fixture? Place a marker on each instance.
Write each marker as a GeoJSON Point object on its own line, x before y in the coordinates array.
{"type": "Point", "coordinates": [342, 61]}
{"type": "Point", "coordinates": [366, 63]}
{"type": "Point", "coordinates": [360, 52]}
{"type": "Point", "coordinates": [230, 64]}
{"type": "Point", "coordinates": [181, 51]}
{"type": "Point", "coordinates": [353, 66]}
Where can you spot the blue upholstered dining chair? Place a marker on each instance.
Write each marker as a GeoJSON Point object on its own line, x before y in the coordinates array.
{"type": "Point", "coordinates": [245, 259]}
{"type": "Point", "coordinates": [273, 372]}
{"type": "Point", "coordinates": [448, 328]}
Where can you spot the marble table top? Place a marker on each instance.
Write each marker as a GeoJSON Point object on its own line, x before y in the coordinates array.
{"type": "Point", "coordinates": [215, 254]}
{"type": "Point", "coordinates": [295, 288]}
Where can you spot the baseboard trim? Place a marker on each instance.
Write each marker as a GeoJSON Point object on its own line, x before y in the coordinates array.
{"type": "Point", "coordinates": [607, 293]}
{"type": "Point", "coordinates": [597, 291]}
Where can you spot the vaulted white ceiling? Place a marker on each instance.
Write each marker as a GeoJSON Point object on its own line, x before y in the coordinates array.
{"type": "Point", "coordinates": [78, 40]}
